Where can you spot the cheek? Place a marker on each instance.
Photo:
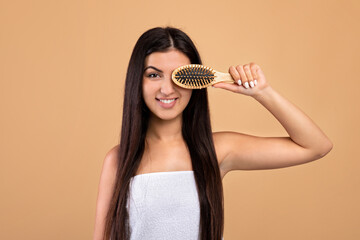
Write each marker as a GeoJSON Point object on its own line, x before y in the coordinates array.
{"type": "Point", "coordinates": [189, 92]}
{"type": "Point", "coordinates": [147, 98]}
{"type": "Point", "coordinates": [147, 91]}
{"type": "Point", "coordinates": [187, 95]}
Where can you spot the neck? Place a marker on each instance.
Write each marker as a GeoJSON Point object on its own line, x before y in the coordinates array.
{"type": "Point", "coordinates": [164, 130]}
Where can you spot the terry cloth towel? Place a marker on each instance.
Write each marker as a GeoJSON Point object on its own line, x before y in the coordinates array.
{"type": "Point", "coordinates": [164, 206]}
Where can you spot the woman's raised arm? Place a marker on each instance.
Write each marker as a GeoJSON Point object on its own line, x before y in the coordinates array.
{"type": "Point", "coordinates": [306, 141]}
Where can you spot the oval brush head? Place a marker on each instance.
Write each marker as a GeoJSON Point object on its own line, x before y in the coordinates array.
{"type": "Point", "coordinates": [196, 76]}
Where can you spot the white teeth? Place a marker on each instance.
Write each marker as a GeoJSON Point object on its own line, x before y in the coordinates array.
{"type": "Point", "coordinates": [167, 100]}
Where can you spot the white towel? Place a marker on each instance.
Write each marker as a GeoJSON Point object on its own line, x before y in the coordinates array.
{"type": "Point", "coordinates": [163, 206]}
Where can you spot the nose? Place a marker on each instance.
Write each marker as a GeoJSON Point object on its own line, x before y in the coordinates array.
{"type": "Point", "coordinates": [167, 86]}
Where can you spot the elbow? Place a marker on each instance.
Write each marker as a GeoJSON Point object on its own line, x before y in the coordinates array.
{"type": "Point", "coordinates": [324, 149]}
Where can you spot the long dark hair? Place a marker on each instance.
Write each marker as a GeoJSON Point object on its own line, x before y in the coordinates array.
{"type": "Point", "coordinates": [196, 131]}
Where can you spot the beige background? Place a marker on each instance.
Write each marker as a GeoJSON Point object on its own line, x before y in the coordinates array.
{"type": "Point", "coordinates": [62, 70]}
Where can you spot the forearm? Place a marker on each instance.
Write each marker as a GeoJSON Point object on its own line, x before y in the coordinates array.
{"type": "Point", "coordinates": [301, 129]}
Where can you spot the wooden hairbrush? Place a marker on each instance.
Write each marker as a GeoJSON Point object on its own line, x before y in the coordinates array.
{"type": "Point", "coordinates": [196, 76]}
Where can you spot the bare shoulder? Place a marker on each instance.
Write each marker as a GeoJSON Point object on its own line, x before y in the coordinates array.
{"type": "Point", "coordinates": [109, 169]}
{"type": "Point", "coordinates": [111, 157]}
{"type": "Point", "coordinates": [105, 190]}
{"type": "Point", "coordinates": [223, 142]}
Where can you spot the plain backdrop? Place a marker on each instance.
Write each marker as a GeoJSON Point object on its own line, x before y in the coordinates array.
{"type": "Point", "coordinates": [62, 70]}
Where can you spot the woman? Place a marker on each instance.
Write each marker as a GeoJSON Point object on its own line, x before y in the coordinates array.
{"type": "Point", "coordinates": [164, 179]}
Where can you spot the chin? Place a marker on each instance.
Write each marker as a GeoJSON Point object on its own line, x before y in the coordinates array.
{"type": "Point", "coordinates": [166, 117]}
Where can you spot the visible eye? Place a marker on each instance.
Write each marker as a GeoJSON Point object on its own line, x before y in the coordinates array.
{"type": "Point", "coordinates": [153, 75]}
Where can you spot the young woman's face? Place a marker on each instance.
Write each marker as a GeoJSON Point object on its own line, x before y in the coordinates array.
{"type": "Point", "coordinates": [164, 98]}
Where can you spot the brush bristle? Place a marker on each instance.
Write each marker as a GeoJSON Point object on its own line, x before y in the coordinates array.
{"type": "Point", "coordinates": [193, 76]}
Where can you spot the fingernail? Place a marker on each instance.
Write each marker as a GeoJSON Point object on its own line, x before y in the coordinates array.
{"type": "Point", "coordinates": [252, 84]}
{"type": "Point", "coordinates": [255, 81]}
{"type": "Point", "coordinates": [239, 82]}
{"type": "Point", "coordinates": [246, 85]}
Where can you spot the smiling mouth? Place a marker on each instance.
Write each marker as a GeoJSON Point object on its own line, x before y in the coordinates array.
{"type": "Point", "coordinates": [167, 100]}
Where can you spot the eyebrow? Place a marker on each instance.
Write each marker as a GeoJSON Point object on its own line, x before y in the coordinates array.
{"type": "Point", "coordinates": [153, 68]}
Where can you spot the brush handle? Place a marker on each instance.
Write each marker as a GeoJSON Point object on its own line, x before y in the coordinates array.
{"type": "Point", "coordinates": [222, 77]}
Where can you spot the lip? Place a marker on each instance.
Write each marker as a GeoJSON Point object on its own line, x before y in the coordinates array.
{"type": "Point", "coordinates": [166, 105]}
